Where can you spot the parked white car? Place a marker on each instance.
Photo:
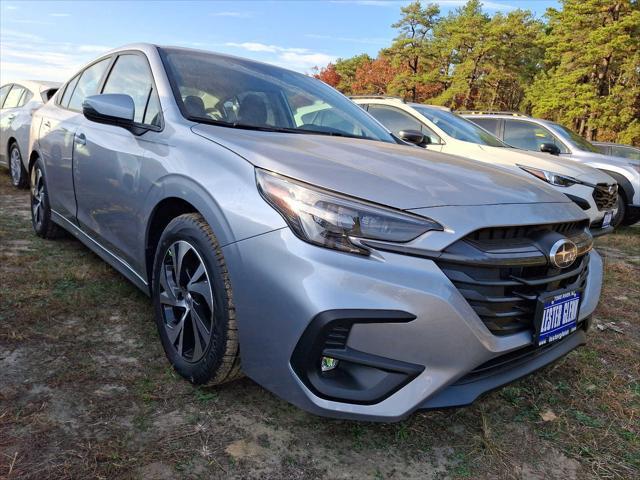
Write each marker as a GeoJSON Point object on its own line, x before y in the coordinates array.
{"type": "Point", "coordinates": [18, 101]}
{"type": "Point", "coordinates": [437, 128]}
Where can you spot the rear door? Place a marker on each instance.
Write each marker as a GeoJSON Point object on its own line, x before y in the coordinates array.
{"type": "Point", "coordinates": [12, 97]}
{"type": "Point", "coordinates": [108, 161]}
{"type": "Point", "coordinates": [57, 136]}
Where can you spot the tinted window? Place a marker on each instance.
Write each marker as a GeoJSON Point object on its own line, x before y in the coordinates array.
{"type": "Point", "coordinates": [529, 136]}
{"type": "Point", "coordinates": [244, 94]}
{"type": "Point", "coordinates": [489, 124]}
{"type": "Point", "coordinates": [459, 128]}
{"type": "Point", "coordinates": [3, 93]}
{"type": "Point", "coordinates": [625, 152]}
{"type": "Point", "coordinates": [13, 98]}
{"type": "Point", "coordinates": [88, 84]}
{"type": "Point", "coordinates": [131, 75]}
{"type": "Point", "coordinates": [68, 91]}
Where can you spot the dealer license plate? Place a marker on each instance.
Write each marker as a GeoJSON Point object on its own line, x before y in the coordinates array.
{"type": "Point", "coordinates": [557, 316]}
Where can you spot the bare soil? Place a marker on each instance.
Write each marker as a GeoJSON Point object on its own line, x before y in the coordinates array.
{"type": "Point", "coordinates": [86, 392]}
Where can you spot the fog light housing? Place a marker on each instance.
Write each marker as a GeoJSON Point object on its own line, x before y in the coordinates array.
{"type": "Point", "coordinates": [327, 364]}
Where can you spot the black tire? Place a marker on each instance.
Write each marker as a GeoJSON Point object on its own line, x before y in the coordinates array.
{"type": "Point", "coordinates": [618, 218]}
{"type": "Point", "coordinates": [19, 176]}
{"type": "Point", "coordinates": [630, 218]}
{"type": "Point", "coordinates": [40, 209]}
{"type": "Point", "coordinates": [181, 300]}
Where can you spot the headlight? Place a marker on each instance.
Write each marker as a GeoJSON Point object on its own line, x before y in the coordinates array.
{"type": "Point", "coordinates": [551, 177]}
{"type": "Point", "coordinates": [331, 220]}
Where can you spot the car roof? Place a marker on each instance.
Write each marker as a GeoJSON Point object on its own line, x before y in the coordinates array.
{"type": "Point", "coordinates": [37, 85]}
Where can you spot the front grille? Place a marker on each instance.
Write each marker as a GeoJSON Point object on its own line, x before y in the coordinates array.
{"type": "Point", "coordinates": [504, 291]}
{"type": "Point", "coordinates": [524, 231]}
{"type": "Point", "coordinates": [605, 199]}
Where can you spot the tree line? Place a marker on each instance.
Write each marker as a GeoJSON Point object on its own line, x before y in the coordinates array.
{"type": "Point", "coordinates": [579, 65]}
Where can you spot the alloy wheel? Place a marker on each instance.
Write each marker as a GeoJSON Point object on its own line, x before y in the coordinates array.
{"type": "Point", "coordinates": [37, 196]}
{"type": "Point", "coordinates": [186, 301]}
{"type": "Point", "coordinates": [16, 166]}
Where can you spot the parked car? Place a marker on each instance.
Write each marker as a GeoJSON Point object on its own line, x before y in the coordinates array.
{"type": "Point", "coordinates": [437, 128]}
{"type": "Point", "coordinates": [18, 101]}
{"type": "Point", "coordinates": [536, 134]}
{"type": "Point", "coordinates": [618, 150]}
{"type": "Point", "coordinates": [351, 275]}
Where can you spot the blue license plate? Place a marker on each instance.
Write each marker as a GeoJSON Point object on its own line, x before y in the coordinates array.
{"type": "Point", "coordinates": [558, 317]}
{"type": "Point", "coordinates": [606, 221]}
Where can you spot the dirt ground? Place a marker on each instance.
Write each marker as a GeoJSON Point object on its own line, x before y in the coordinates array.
{"type": "Point", "coordinates": [86, 392]}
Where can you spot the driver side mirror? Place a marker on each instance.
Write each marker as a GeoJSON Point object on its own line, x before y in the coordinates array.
{"type": "Point", "coordinates": [550, 148]}
{"type": "Point", "coordinates": [414, 136]}
{"type": "Point", "coordinates": [110, 108]}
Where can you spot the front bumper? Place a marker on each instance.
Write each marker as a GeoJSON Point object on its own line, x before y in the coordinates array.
{"type": "Point", "coordinates": [281, 284]}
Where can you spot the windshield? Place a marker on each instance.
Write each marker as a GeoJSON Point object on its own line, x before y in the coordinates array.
{"type": "Point", "coordinates": [240, 93]}
{"type": "Point", "coordinates": [579, 142]}
{"type": "Point", "coordinates": [460, 128]}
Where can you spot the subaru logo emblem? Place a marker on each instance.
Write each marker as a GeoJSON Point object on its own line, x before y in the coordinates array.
{"type": "Point", "coordinates": [563, 253]}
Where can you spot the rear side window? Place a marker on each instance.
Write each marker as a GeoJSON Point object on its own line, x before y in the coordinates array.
{"type": "Point", "coordinates": [14, 97]}
{"type": "Point", "coordinates": [3, 93]}
{"type": "Point", "coordinates": [88, 84]}
{"type": "Point", "coordinates": [131, 76]}
{"type": "Point", "coordinates": [529, 136]}
{"type": "Point", "coordinates": [68, 91]}
{"type": "Point", "coordinates": [26, 97]}
{"type": "Point", "coordinates": [489, 124]}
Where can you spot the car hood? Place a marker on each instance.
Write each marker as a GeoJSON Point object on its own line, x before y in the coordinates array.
{"type": "Point", "coordinates": [400, 176]}
{"type": "Point", "coordinates": [545, 161]}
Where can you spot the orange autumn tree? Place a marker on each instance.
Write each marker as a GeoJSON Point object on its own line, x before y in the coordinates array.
{"type": "Point", "coordinates": [328, 75]}
{"type": "Point", "coordinates": [373, 77]}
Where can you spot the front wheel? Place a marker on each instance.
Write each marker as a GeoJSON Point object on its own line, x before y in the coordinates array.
{"type": "Point", "coordinates": [193, 304]}
{"type": "Point", "coordinates": [618, 218]}
{"type": "Point", "coordinates": [19, 177]}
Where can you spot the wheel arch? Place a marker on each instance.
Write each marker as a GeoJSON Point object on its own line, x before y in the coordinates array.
{"type": "Point", "coordinates": [170, 198]}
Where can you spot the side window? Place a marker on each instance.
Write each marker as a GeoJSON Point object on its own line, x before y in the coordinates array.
{"type": "Point", "coordinates": [394, 119]}
{"type": "Point", "coordinates": [625, 152]}
{"type": "Point", "coordinates": [26, 97]}
{"type": "Point", "coordinates": [489, 124]}
{"type": "Point", "coordinates": [14, 96]}
{"type": "Point", "coordinates": [3, 93]}
{"type": "Point", "coordinates": [131, 75]}
{"type": "Point", "coordinates": [528, 136]}
{"type": "Point", "coordinates": [68, 91]}
{"type": "Point", "coordinates": [88, 84]}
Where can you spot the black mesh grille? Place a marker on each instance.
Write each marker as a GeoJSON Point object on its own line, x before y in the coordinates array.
{"type": "Point", "coordinates": [605, 199]}
{"type": "Point", "coordinates": [524, 231]}
{"type": "Point", "coordinates": [503, 295]}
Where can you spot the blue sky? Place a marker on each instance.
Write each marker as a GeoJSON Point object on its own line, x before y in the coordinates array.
{"type": "Point", "coordinates": [52, 39]}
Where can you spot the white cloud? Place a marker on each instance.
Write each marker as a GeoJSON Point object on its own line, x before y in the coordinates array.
{"type": "Point", "coordinates": [31, 56]}
{"type": "Point", "coordinates": [294, 58]}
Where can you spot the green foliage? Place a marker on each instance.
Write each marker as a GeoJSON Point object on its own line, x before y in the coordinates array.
{"type": "Point", "coordinates": [580, 67]}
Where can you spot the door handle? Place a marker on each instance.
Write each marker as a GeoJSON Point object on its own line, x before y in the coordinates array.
{"type": "Point", "coordinates": [47, 124]}
{"type": "Point", "coordinates": [11, 116]}
{"type": "Point", "coordinates": [81, 139]}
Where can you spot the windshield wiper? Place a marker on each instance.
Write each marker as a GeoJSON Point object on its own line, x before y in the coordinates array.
{"type": "Point", "coordinates": [265, 128]}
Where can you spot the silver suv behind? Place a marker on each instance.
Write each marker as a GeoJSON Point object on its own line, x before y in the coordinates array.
{"type": "Point", "coordinates": [352, 276]}
{"type": "Point", "coordinates": [536, 134]}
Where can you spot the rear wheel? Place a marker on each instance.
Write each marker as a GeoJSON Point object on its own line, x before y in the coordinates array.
{"type": "Point", "coordinates": [40, 208]}
{"type": "Point", "coordinates": [193, 304]}
{"type": "Point", "coordinates": [19, 177]}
